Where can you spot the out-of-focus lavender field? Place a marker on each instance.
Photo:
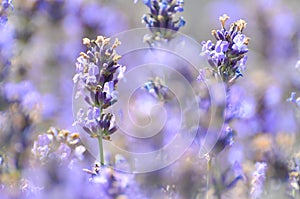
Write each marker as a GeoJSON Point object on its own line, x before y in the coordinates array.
{"type": "Point", "coordinates": [207, 108]}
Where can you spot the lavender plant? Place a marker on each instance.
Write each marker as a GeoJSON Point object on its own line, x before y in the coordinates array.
{"type": "Point", "coordinates": [160, 20]}
{"type": "Point", "coordinates": [255, 155]}
{"type": "Point", "coordinates": [96, 78]}
{"type": "Point", "coordinates": [227, 57]}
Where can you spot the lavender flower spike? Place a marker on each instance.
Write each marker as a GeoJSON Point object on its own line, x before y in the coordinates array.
{"type": "Point", "coordinates": [258, 180]}
{"type": "Point", "coordinates": [161, 21]}
{"type": "Point", "coordinates": [228, 56]}
{"type": "Point", "coordinates": [96, 78]}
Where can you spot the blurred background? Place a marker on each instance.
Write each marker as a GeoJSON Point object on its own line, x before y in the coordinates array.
{"type": "Point", "coordinates": [39, 47]}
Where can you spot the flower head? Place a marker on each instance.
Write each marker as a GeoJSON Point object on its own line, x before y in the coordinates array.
{"type": "Point", "coordinates": [98, 72]}
{"type": "Point", "coordinates": [160, 20]}
{"type": "Point", "coordinates": [227, 56]}
{"type": "Point", "coordinates": [57, 144]}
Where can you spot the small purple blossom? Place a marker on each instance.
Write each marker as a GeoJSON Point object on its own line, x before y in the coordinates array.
{"type": "Point", "coordinates": [93, 114]}
{"type": "Point", "coordinates": [110, 92]}
{"type": "Point", "coordinates": [207, 46]}
{"type": "Point", "coordinates": [239, 43]}
{"type": "Point", "coordinates": [218, 55]}
{"type": "Point", "coordinates": [7, 3]}
{"type": "Point", "coordinates": [294, 99]}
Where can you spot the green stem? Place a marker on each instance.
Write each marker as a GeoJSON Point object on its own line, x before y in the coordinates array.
{"type": "Point", "coordinates": [209, 164]}
{"type": "Point", "coordinates": [101, 149]}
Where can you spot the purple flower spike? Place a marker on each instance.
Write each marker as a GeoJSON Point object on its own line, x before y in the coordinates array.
{"type": "Point", "coordinates": [227, 56]}
{"type": "Point", "coordinates": [96, 79]}
{"type": "Point", "coordinates": [161, 21]}
{"type": "Point", "coordinates": [258, 180]}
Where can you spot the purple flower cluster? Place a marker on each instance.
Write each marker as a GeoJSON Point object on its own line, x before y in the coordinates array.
{"type": "Point", "coordinates": [58, 144]}
{"type": "Point", "coordinates": [227, 56]}
{"type": "Point", "coordinates": [96, 78]}
{"type": "Point", "coordinates": [160, 20]}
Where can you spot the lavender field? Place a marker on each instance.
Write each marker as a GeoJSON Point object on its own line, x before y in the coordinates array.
{"type": "Point", "coordinates": [149, 99]}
